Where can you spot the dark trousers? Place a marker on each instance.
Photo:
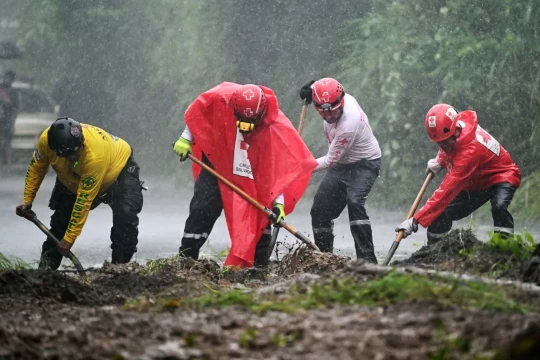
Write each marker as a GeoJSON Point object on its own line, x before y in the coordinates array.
{"type": "Point", "coordinates": [204, 209]}
{"type": "Point", "coordinates": [125, 199]}
{"type": "Point", "coordinates": [467, 202]}
{"type": "Point", "coordinates": [345, 185]}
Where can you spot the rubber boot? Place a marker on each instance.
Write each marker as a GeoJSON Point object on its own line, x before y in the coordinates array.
{"type": "Point", "coordinates": [325, 241]}
{"type": "Point", "coordinates": [190, 248]}
{"type": "Point", "coordinates": [50, 257]}
{"type": "Point", "coordinates": [121, 257]}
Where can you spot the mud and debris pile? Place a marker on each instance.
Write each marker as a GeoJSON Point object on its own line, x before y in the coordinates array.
{"type": "Point", "coordinates": [111, 284]}
{"type": "Point", "coordinates": [31, 286]}
{"type": "Point", "coordinates": [447, 249]}
{"type": "Point", "coordinates": [304, 260]}
{"type": "Point", "coordinates": [461, 252]}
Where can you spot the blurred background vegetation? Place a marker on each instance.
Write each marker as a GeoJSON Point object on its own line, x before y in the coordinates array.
{"type": "Point", "coordinates": [133, 66]}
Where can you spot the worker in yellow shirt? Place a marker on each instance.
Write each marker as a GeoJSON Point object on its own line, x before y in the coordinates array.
{"type": "Point", "coordinates": [92, 167]}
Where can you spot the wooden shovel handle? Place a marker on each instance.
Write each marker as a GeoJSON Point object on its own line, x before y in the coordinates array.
{"type": "Point", "coordinates": [416, 202]}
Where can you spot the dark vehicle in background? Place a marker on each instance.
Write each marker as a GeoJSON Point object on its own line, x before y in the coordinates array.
{"type": "Point", "coordinates": [37, 111]}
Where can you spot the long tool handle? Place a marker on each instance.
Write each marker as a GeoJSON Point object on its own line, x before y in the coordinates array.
{"type": "Point", "coordinates": [275, 232]}
{"type": "Point", "coordinates": [30, 215]}
{"type": "Point", "coordinates": [414, 206]}
{"type": "Point", "coordinates": [302, 118]}
{"type": "Point", "coordinates": [253, 202]}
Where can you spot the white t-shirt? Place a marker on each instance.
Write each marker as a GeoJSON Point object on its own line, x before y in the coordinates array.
{"type": "Point", "coordinates": [350, 139]}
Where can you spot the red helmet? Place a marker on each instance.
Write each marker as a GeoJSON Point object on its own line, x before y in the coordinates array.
{"type": "Point", "coordinates": [441, 122]}
{"type": "Point", "coordinates": [327, 94]}
{"type": "Point", "coordinates": [249, 102]}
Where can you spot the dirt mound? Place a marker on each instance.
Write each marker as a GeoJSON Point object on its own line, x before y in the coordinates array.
{"type": "Point", "coordinates": [461, 252]}
{"type": "Point", "coordinates": [305, 260]}
{"type": "Point", "coordinates": [203, 269]}
{"type": "Point", "coordinates": [34, 285]}
{"type": "Point", "coordinates": [111, 284]}
{"type": "Point", "coordinates": [530, 270]}
{"type": "Point", "coordinates": [449, 248]}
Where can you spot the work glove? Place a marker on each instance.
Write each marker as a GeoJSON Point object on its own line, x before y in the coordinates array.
{"type": "Point", "coordinates": [279, 212]}
{"type": "Point", "coordinates": [305, 92]}
{"type": "Point", "coordinates": [24, 210]}
{"type": "Point", "coordinates": [182, 148]}
{"type": "Point", "coordinates": [433, 166]}
{"type": "Point", "coordinates": [408, 226]}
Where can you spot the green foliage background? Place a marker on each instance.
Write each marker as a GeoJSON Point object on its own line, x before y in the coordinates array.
{"type": "Point", "coordinates": [134, 66]}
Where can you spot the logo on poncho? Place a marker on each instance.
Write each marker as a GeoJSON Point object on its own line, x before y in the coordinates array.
{"type": "Point", "coordinates": [241, 164]}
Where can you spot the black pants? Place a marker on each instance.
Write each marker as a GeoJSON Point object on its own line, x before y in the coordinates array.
{"type": "Point", "coordinates": [125, 199]}
{"type": "Point", "coordinates": [204, 209]}
{"type": "Point", "coordinates": [345, 185]}
{"type": "Point", "coordinates": [467, 202]}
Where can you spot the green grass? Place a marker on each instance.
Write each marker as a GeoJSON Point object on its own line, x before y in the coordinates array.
{"type": "Point", "coordinates": [521, 246]}
{"type": "Point", "coordinates": [158, 265]}
{"type": "Point", "coordinates": [223, 253]}
{"type": "Point", "coordinates": [389, 289]}
{"type": "Point", "coordinates": [12, 262]}
{"type": "Point", "coordinates": [394, 288]}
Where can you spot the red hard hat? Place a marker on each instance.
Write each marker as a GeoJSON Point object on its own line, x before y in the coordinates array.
{"type": "Point", "coordinates": [327, 94]}
{"type": "Point", "coordinates": [249, 102]}
{"type": "Point", "coordinates": [441, 122]}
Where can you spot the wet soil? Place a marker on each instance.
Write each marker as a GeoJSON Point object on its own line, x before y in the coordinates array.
{"type": "Point", "coordinates": [461, 252]}
{"type": "Point", "coordinates": [53, 315]}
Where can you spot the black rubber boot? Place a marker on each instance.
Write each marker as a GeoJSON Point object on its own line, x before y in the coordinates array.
{"type": "Point", "coordinates": [121, 257]}
{"type": "Point", "coordinates": [325, 241]}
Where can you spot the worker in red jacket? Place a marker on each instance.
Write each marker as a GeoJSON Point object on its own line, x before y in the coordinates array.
{"type": "Point", "coordinates": [479, 170]}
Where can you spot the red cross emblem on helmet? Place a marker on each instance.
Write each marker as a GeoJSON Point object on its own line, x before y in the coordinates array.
{"type": "Point", "coordinates": [441, 122]}
{"type": "Point", "coordinates": [249, 102]}
{"type": "Point", "coordinates": [327, 94]}
{"type": "Point", "coordinates": [325, 97]}
{"type": "Point", "coordinates": [248, 94]}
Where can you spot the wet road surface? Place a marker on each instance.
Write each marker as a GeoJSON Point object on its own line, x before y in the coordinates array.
{"type": "Point", "coordinates": [162, 221]}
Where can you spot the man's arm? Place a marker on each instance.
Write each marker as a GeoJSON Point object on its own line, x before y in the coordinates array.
{"type": "Point", "coordinates": [339, 146]}
{"type": "Point", "coordinates": [38, 168]}
{"type": "Point", "coordinates": [452, 184]}
{"type": "Point", "coordinates": [187, 134]}
{"type": "Point", "coordinates": [89, 186]}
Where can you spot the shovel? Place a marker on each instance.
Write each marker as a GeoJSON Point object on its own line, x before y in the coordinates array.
{"type": "Point", "coordinates": [399, 236]}
{"type": "Point", "coordinates": [255, 203]}
{"type": "Point", "coordinates": [275, 231]}
{"type": "Point", "coordinates": [31, 216]}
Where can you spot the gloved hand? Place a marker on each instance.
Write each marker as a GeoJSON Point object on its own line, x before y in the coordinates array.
{"type": "Point", "coordinates": [305, 92]}
{"type": "Point", "coordinates": [279, 211]}
{"type": "Point", "coordinates": [24, 209]}
{"type": "Point", "coordinates": [182, 148]}
{"type": "Point", "coordinates": [433, 166]}
{"type": "Point", "coordinates": [408, 226]}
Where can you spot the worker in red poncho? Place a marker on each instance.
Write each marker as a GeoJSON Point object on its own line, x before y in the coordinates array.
{"type": "Point", "coordinates": [241, 133]}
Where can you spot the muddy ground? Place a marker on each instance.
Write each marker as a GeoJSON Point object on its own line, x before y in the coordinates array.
{"type": "Point", "coordinates": [153, 312]}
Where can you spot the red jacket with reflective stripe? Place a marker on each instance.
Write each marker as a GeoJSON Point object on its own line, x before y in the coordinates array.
{"type": "Point", "coordinates": [476, 162]}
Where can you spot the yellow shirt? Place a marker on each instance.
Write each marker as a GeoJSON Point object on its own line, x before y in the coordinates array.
{"type": "Point", "coordinates": [102, 159]}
